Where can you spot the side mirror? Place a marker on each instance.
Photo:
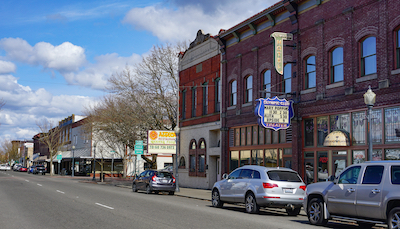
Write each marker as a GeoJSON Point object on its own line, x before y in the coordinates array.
{"type": "Point", "coordinates": [331, 178]}
{"type": "Point", "coordinates": [225, 176]}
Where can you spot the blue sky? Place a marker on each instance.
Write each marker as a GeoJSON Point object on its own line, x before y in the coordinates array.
{"type": "Point", "coordinates": [56, 56]}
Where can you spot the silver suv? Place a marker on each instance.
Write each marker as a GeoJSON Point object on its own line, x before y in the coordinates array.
{"type": "Point", "coordinates": [258, 186]}
{"type": "Point", "coordinates": [368, 193]}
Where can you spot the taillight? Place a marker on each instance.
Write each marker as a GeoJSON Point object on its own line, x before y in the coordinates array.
{"type": "Point", "coordinates": [154, 178]}
{"type": "Point", "coordinates": [173, 179]}
{"type": "Point", "coordinates": [303, 187]}
{"type": "Point", "coordinates": [269, 185]}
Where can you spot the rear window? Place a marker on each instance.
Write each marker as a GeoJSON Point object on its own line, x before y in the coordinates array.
{"type": "Point", "coordinates": [395, 174]}
{"type": "Point", "coordinates": [284, 176]}
{"type": "Point", "coordinates": [164, 174]}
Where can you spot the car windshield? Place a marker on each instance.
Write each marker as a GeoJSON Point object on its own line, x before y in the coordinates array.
{"type": "Point", "coordinates": [164, 174]}
{"type": "Point", "coordinates": [283, 176]}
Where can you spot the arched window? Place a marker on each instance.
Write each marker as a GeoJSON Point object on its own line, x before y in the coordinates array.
{"type": "Point", "coordinates": [336, 65]}
{"type": "Point", "coordinates": [192, 157]}
{"type": "Point", "coordinates": [197, 158]}
{"type": "Point", "coordinates": [287, 78]}
{"type": "Point", "coordinates": [368, 56]}
{"type": "Point", "coordinates": [310, 77]}
{"type": "Point", "coordinates": [249, 89]}
{"type": "Point", "coordinates": [267, 83]}
{"type": "Point", "coordinates": [233, 93]}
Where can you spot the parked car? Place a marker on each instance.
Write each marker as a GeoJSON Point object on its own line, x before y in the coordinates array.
{"type": "Point", "coordinates": [16, 167]}
{"type": "Point", "coordinates": [368, 193]}
{"type": "Point", "coordinates": [39, 169]}
{"type": "Point", "coordinates": [5, 167]}
{"type": "Point", "coordinates": [258, 186]}
{"type": "Point", "coordinates": [31, 168]}
{"type": "Point", "coordinates": [157, 181]}
{"type": "Point", "coordinates": [22, 169]}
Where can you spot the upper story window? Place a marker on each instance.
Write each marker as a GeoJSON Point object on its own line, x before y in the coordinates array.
{"type": "Point", "coordinates": [184, 104]}
{"type": "Point", "coordinates": [287, 78]}
{"type": "Point", "coordinates": [233, 93]}
{"type": "Point", "coordinates": [194, 101]}
{"type": "Point", "coordinates": [311, 80]}
{"type": "Point", "coordinates": [398, 48]}
{"type": "Point", "coordinates": [267, 83]}
{"type": "Point", "coordinates": [368, 56]}
{"type": "Point", "coordinates": [336, 65]}
{"type": "Point", "coordinates": [249, 89]}
{"type": "Point", "coordinates": [205, 98]}
{"type": "Point", "coordinates": [218, 95]}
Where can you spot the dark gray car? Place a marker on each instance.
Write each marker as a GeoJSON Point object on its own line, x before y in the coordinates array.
{"type": "Point", "coordinates": [368, 193]}
{"type": "Point", "coordinates": [157, 181]}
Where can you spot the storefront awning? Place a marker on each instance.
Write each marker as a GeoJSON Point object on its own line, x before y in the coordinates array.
{"type": "Point", "coordinates": [337, 138]}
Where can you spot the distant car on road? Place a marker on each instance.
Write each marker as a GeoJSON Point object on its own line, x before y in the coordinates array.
{"type": "Point", "coordinates": [22, 169]}
{"type": "Point", "coordinates": [368, 193]}
{"type": "Point", "coordinates": [31, 168]}
{"type": "Point", "coordinates": [157, 181]}
{"type": "Point", "coordinates": [5, 167]}
{"type": "Point", "coordinates": [258, 186]}
{"type": "Point", "coordinates": [39, 169]}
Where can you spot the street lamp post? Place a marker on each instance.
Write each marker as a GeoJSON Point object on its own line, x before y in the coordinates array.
{"type": "Point", "coordinates": [369, 100]}
{"type": "Point", "coordinates": [73, 161]}
{"type": "Point", "coordinates": [177, 130]}
{"type": "Point", "coordinates": [94, 162]}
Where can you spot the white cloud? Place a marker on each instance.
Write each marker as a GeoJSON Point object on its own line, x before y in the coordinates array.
{"type": "Point", "coordinates": [185, 20]}
{"type": "Point", "coordinates": [7, 67]}
{"type": "Point", "coordinates": [65, 57]}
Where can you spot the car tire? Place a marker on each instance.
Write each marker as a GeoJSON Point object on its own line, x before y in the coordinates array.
{"type": "Point", "coordinates": [171, 193]}
{"type": "Point", "coordinates": [148, 190]}
{"type": "Point", "coordinates": [134, 187]}
{"type": "Point", "coordinates": [216, 199]}
{"type": "Point", "coordinates": [365, 224]}
{"type": "Point", "coordinates": [315, 212]}
{"type": "Point", "coordinates": [293, 212]}
{"type": "Point", "coordinates": [251, 204]}
{"type": "Point", "coordinates": [394, 218]}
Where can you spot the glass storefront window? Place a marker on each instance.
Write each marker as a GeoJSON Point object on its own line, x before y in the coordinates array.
{"type": "Point", "coordinates": [243, 136]}
{"type": "Point", "coordinates": [275, 137]}
{"type": "Point", "coordinates": [340, 122]}
{"type": "Point", "coordinates": [192, 163]}
{"type": "Point", "coordinates": [359, 127]}
{"type": "Point", "coordinates": [237, 137]}
{"type": "Point", "coordinates": [234, 160]}
{"type": "Point", "coordinates": [267, 136]}
{"type": "Point", "coordinates": [245, 157]}
{"type": "Point", "coordinates": [309, 167]}
{"type": "Point", "coordinates": [376, 125]}
{"type": "Point", "coordinates": [255, 136]}
{"type": "Point", "coordinates": [322, 166]}
{"type": "Point", "coordinates": [376, 155]}
{"type": "Point", "coordinates": [358, 156]}
{"type": "Point", "coordinates": [249, 133]}
{"type": "Point", "coordinates": [271, 158]}
{"type": "Point", "coordinates": [322, 129]}
{"type": "Point", "coordinates": [392, 154]}
{"type": "Point", "coordinates": [392, 122]}
{"type": "Point", "coordinates": [282, 136]}
{"type": "Point", "coordinates": [257, 157]}
{"type": "Point", "coordinates": [261, 135]}
{"type": "Point", "coordinates": [339, 160]}
{"type": "Point", "coordinates": [202, 163]}
{"type": "Point", "coordinates": [309, 132]}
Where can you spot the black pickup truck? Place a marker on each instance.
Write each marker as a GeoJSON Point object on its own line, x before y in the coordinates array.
{"type": "Point", "coordinates": [40, 169]}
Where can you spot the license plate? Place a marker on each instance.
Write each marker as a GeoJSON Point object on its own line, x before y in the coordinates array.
{"type": "Point", "coordinates": [164, 181]}
{"type": "Point", "coordinates": [288, 190]}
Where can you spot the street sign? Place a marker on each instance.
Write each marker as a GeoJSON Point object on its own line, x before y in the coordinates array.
{"type": "Point", "coordinates": [59, 157]}
{"type": "Point", "coordinates": [139, 147]}
{"type": "Point", "coordinates": [139, 142]}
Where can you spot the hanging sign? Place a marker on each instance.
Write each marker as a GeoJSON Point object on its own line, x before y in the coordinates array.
{"type": "Point", "coordinates": [274, 113]}
{"type": "Point", "coordinates": [278, 49]}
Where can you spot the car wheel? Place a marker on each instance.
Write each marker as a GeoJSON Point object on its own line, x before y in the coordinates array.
{"type": "Point", "coordinates": [394, 218]}
{"type": "Point", "coordinates": [315, 212]}
{"type": "Point", "coordinates": [216, 199]}
{"type": "Point", "coordinates": [365, 224]}
{"type": "Point", "coordinates": [171, 193]}
{"type": "Point", "coordinates": [156, 192]}
{"type": "Point", "coordinates": [251, 204]}
{"type": "Point", "coordinates": [134, 188]}
{"type": "Point", "coordinates": [148, 190]}
{"type": "Point", "coordinates": [293, 212]}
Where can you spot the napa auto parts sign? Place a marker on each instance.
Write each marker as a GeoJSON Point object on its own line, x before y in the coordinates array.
{"type": "Point", "coordinates": [274, 113]}
{"type": "Point", "coordinates": [161, 141]}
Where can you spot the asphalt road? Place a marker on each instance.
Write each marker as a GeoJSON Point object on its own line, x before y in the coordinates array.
{"type": "Point", "coordinates": [36, 201]}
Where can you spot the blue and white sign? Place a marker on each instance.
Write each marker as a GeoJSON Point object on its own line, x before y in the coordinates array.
{"type": "Point", "coordinates": [274, 113]}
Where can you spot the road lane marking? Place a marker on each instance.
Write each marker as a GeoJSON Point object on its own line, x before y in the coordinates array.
{"type": "Point", "coordinates": [104, 206]}
{"type": "Point", "coordinates": [39, 185]}
{"type": "Point", "coordinates": [60, 192]}
{"type": "Point", "coordinates": [26, 180]}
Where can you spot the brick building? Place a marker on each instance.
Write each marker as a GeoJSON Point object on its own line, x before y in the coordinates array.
{"type": "Point", "coordinates": [200, 89]}
{"type": "Point", "coordinates": [339, 49]}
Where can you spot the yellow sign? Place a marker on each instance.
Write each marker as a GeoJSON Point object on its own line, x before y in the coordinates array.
{"type": "Point", "coordinates": [278, 49]}
{"type": "Point", "coordinates": [161, 141]}
{"type": "Point", "coordinates": [337, 138]}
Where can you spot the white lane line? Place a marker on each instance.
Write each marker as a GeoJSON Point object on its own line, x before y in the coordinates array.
{"type": "Point", "coordinates": [60, 192]}
{"type": "Point", "coordinates": [104, 206]}
{"type": "Point", "coordinates": [39, 185]}
{"type": "Point", "coordinates": [26, 180]}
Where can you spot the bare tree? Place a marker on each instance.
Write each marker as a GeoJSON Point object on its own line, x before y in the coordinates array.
{"type": "Point", "coordinates": [50, 136]}
{"type": "Point", "coordinates": [8, 151]}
